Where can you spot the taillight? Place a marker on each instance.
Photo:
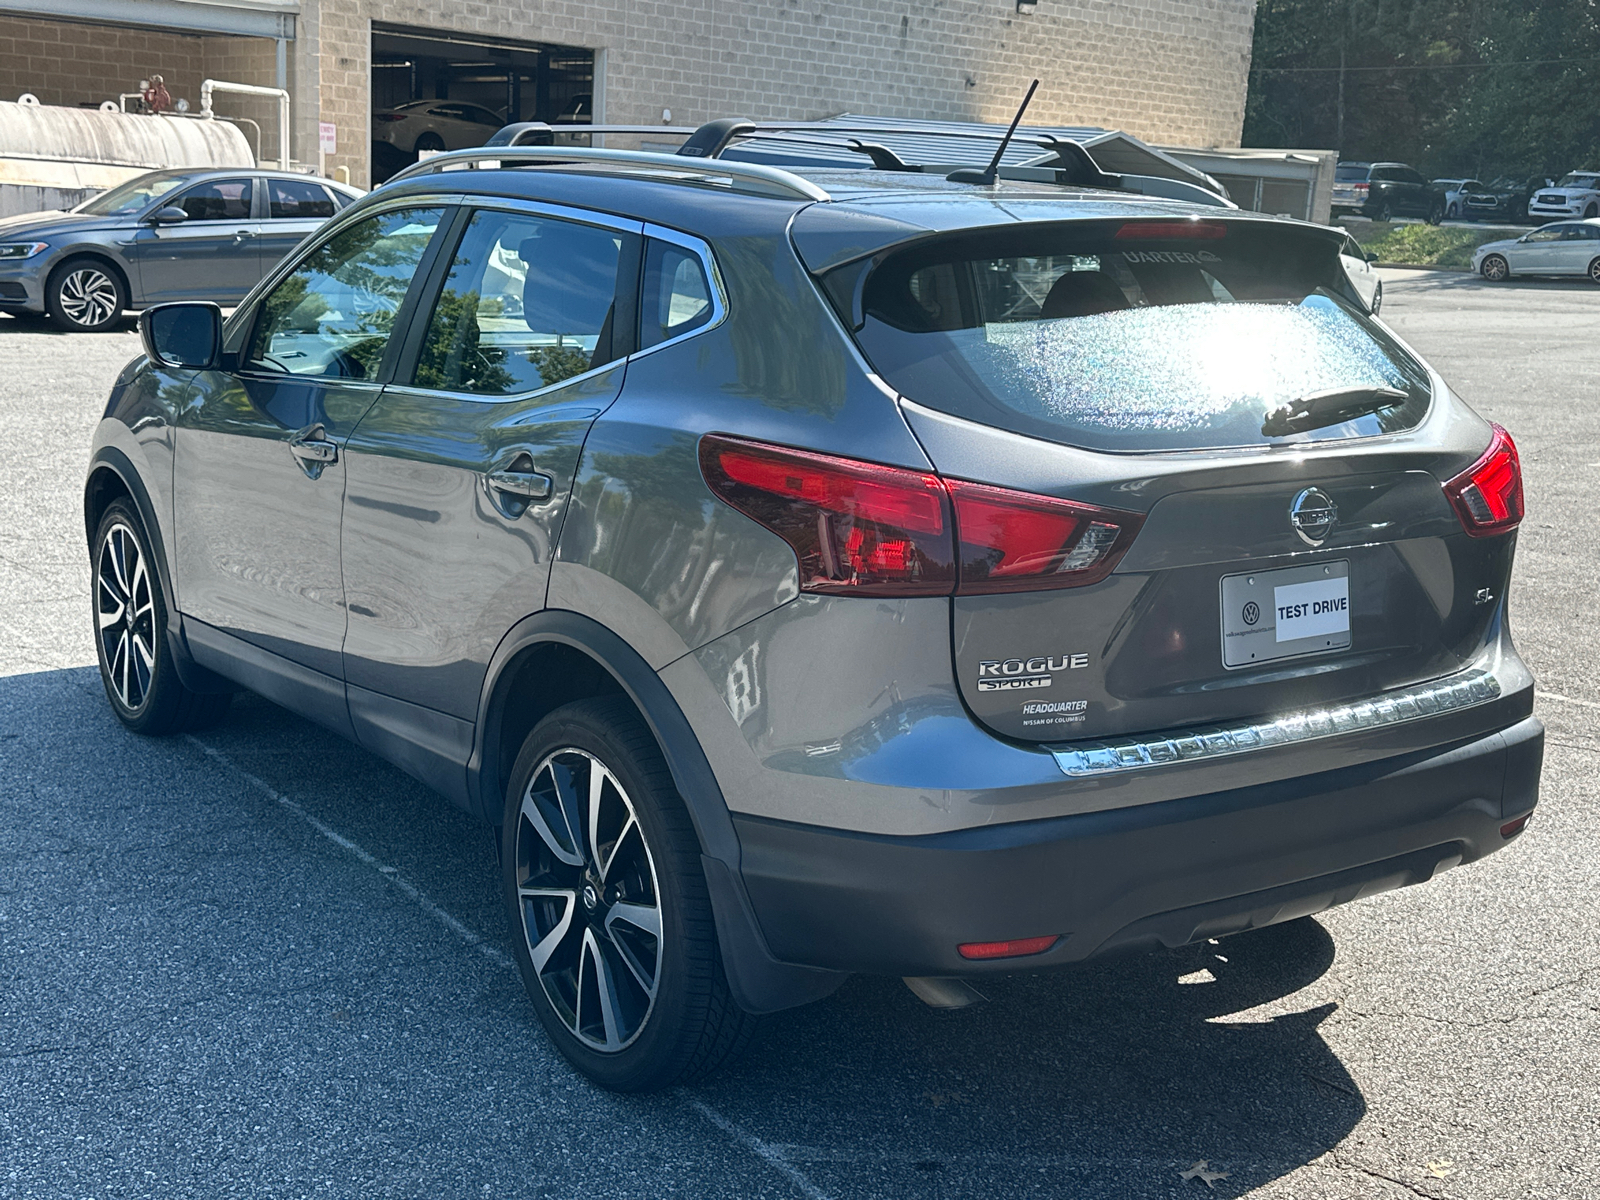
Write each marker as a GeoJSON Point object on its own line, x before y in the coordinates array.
{"type": "Point", "coordinates": [858, 529]}
{"type": "Point", "coordinates": [1016, 542]}
{"type": "Point", "coordinates": [1488, 495]}
{"type": "Point", "coordinates": [861, 529]}
{"type": "Point", "coordinates": [387, 117]}
{"type": "Point", "coordinates": [1363, 187]}
{"type": "Point", "coordinates": [1192, 228]}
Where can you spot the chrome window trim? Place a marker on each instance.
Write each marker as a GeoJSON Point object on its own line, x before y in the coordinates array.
{"type": "Point", "coordinates": [411, 389]}
{"type": "Point", "coordinates": [1115, 756]}
{"type": "Point", "coordinates": [559, 212]}
{"type": "Point", "coordinates": [708, 264]}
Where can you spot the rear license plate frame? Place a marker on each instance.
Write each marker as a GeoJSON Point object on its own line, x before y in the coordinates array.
{"type": "Point", "coordinates": [1247, 643]}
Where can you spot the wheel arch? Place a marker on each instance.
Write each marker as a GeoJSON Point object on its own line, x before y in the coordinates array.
{"type": "Point", "coordinates": [74, 254]}
{"type": "Point", "coordinates": [112, 476]}
{"type": "Point", "coordinates": [585, 658]}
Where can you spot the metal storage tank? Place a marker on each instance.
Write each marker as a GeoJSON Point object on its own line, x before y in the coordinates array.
{"type": "Point", "coordinates": [54, 157]}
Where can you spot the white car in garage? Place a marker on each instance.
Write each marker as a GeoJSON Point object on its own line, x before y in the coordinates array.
{"type": "Point", "coordinates": [424, 125]}
{"type": "Point", "coordinates": [1561, 248]}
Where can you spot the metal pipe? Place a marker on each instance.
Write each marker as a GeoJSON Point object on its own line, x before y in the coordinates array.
{"type": "Point", "coordinates": [209, 86]}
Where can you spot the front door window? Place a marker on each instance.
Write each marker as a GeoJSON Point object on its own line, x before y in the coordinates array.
{"type": "Point", "coordinates": [332, 316]}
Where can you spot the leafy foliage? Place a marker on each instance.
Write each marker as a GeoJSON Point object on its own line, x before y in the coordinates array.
{"type": "Point", "coordinates": [1424, 245]}
{"type": "Point", "coordinates": [1454, 87]}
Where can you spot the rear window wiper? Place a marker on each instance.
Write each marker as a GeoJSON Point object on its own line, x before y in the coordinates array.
{"type": "Point", "coordinates": [1320, 409]}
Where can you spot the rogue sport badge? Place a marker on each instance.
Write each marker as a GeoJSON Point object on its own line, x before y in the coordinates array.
{"type": "Point", "coordinates": [1313, 515]}
{"type": "Point", "coordinates": [1015, 674]}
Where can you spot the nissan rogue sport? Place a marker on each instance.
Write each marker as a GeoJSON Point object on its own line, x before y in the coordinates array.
{"type": "Point", "coordinates": [831, 571]}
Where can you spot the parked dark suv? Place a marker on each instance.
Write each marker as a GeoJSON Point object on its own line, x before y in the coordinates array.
{"type": "Point", "coordinates": [848, 571]}
{"type": "Point", "coordinates": [1384, 191]}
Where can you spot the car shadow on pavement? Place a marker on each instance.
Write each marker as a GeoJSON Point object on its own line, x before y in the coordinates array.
{"type": "Point", "coordinates": [1430, 279]}
{"type": "Point", "coordinates": [1108, 1078]}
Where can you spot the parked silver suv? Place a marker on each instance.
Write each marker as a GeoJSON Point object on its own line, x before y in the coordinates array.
{"type": "Point", "coordinates": [830, 572]}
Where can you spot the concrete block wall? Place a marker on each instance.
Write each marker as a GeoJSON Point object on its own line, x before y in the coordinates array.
{"type": "Point", "coordinates": [1171, 71]}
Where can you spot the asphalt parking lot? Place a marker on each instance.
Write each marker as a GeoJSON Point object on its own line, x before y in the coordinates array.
{"type": "Point", "coordinates": [259, 962]}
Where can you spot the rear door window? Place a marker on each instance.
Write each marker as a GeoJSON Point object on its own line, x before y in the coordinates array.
{"type": "Point", "coordinates": [292, 199]}
{"type": "Point", "coordinates": [529, 302]}
{"type": "Point", "coordinates": [1136, 336]}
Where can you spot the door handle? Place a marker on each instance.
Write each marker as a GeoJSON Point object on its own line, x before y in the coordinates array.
{"type": "Point", "coordinates": [312, 449]}
{"type": "Point", "coordinates": [241, 234]}
{"type": "Point", "coordinates": [529, 484]}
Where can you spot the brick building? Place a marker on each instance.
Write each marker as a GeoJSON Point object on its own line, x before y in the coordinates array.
{"type": "Point", "coordinates": [1167, 71]}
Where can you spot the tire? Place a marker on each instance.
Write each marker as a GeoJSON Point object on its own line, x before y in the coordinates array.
{"type": "Point", "coordinates": [1495, 269]}
{"type": "Point", "coordinates": [85, 295]}
{"type": "Point", "coordinates": [1386, 213]}
{"type": "Point", "coordinates": [1435, 215]}
{"type": "Point", "coordinates": [1594, 271]}
{"type": "Point", "coordinates": [429, 141]}
{"type": "Point", "coordinates": [1453, 213]}
{"type": "Point", "coordinates": [130, 634]}
{"type": "Point", "coordinates": [587, 920]}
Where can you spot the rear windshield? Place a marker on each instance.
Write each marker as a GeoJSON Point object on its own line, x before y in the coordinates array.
{"type": "Point", "coordinates": [1350, 174]}
{"type": "Point", "coordinates": [1126, 337]}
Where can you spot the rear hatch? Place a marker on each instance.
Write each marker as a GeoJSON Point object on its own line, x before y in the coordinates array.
{"type": "Point", "coordinates": [1350, 183]}
{"type": "Point", "coordinates": [1257, 462]}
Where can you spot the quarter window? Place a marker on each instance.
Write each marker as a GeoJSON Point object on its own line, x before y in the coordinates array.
{"type": "Point", "coordinates": [294, 200]}
{"type": "Point", "coordinates": [333, 315]}
{"type": "Point", "coordinates": [676, 296]}
{"type": "Point", "coordinates": [222, 200]}
{"type": "Point", "coordinates": [528, 303]}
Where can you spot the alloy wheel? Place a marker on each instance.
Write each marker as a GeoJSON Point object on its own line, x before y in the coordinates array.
{"type": "Point", "coordinates": [89, 296]}
{"type": "Point", "coordinates": [1494, 268]}
{"type": "Point", "coordinates": [589, 901]}
{"type": "Point", "coordinates": [125, 616]}
{"type": "Point", "coordinates": [1594, 270]}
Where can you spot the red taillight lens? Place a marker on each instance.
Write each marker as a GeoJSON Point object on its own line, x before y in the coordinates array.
{"type": "Point", "coordinates": [1017, 948]}
{"type": "Point", "coordinates": [1014, 542]}
{"type": "Point", "coordinates": [388, 117]}
{"type": "Point", "coordinates": [1156, 230]}
{"type": "Point", "coordinates": [1363, 187]}
{"type": "Point", "coordinates": [858, 529]}
{"type": "Point", "coordinates": [1488, 495]}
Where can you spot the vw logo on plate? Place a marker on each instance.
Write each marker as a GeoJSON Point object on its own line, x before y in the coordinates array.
{"type": "Point", "coordinates": [1252, 613]}
{"type": "Point", "coordinates": [1312, 514]}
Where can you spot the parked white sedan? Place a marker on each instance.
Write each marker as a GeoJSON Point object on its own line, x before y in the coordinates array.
{"type": "Point", "coordinates": [434, 125]}
{"type": "Point", "coordinates": [1561, 248]}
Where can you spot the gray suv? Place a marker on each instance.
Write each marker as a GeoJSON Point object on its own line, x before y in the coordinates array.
{"type": "Point", "coordinates": [167, 235]}
{"type": "Point", "coordinates": [835, 571]}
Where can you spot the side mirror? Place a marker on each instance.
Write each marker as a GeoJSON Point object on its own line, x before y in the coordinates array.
{"type": "Point", "coordinates": [170, 215]}
{"type": "Point", "coordinates": [1370, 255]}
{"type": "Point", "coordinates": [184, 336]}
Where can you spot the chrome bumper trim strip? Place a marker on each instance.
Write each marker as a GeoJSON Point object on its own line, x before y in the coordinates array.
{"type": "Point", "coordinates": [1113, 756]}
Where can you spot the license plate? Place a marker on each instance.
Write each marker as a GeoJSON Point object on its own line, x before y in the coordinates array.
{"type": "Point", "coordinates": [1269, 615]}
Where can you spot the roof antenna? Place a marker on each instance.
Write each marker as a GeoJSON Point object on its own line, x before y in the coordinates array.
{"type": "Point", "coordinates": [989, 174]}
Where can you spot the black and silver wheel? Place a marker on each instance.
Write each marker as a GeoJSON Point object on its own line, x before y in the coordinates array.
{"type": "Point", "coordinates": [85, 295]}
{"type": "Point", "coordinates": [431, 142]}
{"type": "Point", "coordinates": [1495, 269]}
{"type": "Point", "coordinates": [1594, 271]}
{"type": "Point", "coordinates": [616, 940]}
{"type": "Point", "coordinates": [1453, 212]}
{"type": "Point", "coordinates": [130, 618]}
{"type": "Point", "coordinates": [1386, 213]}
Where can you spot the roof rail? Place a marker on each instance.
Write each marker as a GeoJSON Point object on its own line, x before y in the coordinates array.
{"type": "Point", "coordinates": [756, 178]}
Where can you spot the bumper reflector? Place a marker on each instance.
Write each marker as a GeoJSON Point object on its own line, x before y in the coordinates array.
{"type": "Point", "coordinates": [1108, 757]}
{"type": "Point", "coordinates": [1017, 948]}
{"type": "Point", "coordinates": [1511, 828]}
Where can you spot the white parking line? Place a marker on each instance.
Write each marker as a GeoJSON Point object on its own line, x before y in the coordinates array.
{"type": "Point", "coordinates": [392, 874]}
{"type": "Point", "coordinates": [1566, 700]}
{"type": "Point", "coordinates": [761, 1149]}
{"type": "Point", "coordinates": [766, 1151]}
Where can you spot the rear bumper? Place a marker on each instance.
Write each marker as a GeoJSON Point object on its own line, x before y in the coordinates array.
{"type": "Point", "coordinates": [1164, 873]}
